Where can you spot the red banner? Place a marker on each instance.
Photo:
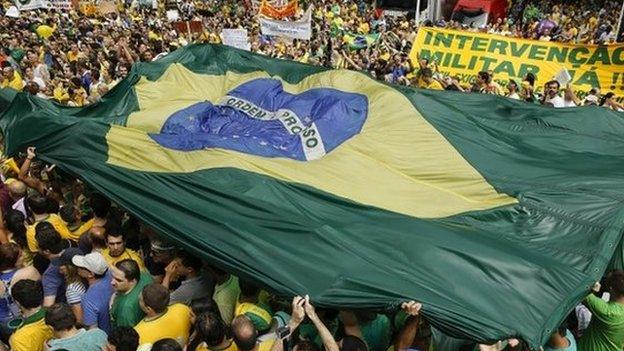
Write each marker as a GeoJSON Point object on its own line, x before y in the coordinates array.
{"type": "Point", "coordinates": [288, 10]}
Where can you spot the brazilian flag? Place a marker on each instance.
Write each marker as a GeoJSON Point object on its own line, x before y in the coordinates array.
{"type": "Point", "coordinates": [498, 215]}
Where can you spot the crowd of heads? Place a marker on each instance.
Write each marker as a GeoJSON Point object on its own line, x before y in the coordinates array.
{"type": "Point", "coordinates": [75, 57]}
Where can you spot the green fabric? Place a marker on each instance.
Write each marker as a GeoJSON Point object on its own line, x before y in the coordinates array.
{"type": "Point", "coordinates": [516, 270]}
{"type": "Point", "coordinates": [606, 329]}
{"type": "Point", "coordinates": [443, 342]}
{"type": "Point", "coordinates": [17, 54]}
{"type": "Point", "coordinates": [126, 311]}
{"type": "Point", "coordinates": [226, 295]}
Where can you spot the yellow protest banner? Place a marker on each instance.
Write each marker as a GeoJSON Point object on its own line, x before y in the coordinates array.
{"type": "Point", "coordinates": [464, 54]}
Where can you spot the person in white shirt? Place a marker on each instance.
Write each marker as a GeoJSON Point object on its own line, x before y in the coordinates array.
{"type": "Point", "coordinates": [17, 192]}
{"type": "Point", "coordinates": [551, 95]}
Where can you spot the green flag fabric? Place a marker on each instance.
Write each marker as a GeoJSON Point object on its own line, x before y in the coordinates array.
{"type": "Point", "coordinates": [497, 215]}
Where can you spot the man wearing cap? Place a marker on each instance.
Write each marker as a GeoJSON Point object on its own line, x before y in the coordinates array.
{"type": "Point", "coordinates": [161, 255]}
{"type": "Point", "coordinates": [95, 302]}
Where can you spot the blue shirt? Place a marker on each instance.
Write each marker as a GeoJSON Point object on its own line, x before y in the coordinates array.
{"type": "Point", "coordinates": [53, 282]}
{"type": "Point", "coordinates": [571, 347]}
{"type": "Point", "coordinates": [95, 303]}
{"type": "Point", "coordinates": [8, 307]}
{"type": "Point", "coordinates": [84, 340]}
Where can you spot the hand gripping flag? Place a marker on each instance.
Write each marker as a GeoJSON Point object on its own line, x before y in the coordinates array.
{"type": "Point", "coordinates": [497, 215]}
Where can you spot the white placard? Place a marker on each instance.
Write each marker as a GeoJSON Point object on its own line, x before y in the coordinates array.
{"type": "Point", "coordinates": [173, 15]}
{"type": "Point", "coordinates": [26, 5]}
{"type": "Point", "coordinates": [300, 29]}
{"type": "Point", "coordinates": [12, 12]}
{"type": "Point", "coordinates": [237, 38]}
{"type": "Point", "coordinates": [563, 77]}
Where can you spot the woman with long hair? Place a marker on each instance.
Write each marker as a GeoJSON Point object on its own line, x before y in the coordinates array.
{"type": "Point", "coordinates": [76, 288]}
{"type": "Point", "coordinates": [13, 230]}
{"type": "Point", "coordinates": [608, 101]}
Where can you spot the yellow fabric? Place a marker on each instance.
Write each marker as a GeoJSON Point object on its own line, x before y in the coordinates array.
{"type": "Point", "coordinates": [44, 31]}
{"type": "Point", "coordinates": [127, 254]}
{"type": "Point", "coordinates": [85, 227]}
{"type": "Point", "coordinates": [31, 337]}
{"type": "Point", "coordinates": [71, 56]}
{"type": "Point", "coordinates": [10, 165]}
{"type": "Point", "coordinates": [246, 307]}
{"type": "Point", "coordinates": [57, 223]}
{"type": "Point", "coordinates": [464, 53]}
{"type": "Point", "coordinates": [16, 83]}
{"type": "Point", "coordinates": [266, 345]}
{"type": "Point", "coordinates": [380, 148]}
{"type": "Point", "coordinates": [79, 96]}
{"type": "Point", "coordinates": [175, 323]}
{"type": "Point", "coordinates": [434, 85]}
{"type": "Point", "coordinates": [203, 347]}
{"type": "Point", "coordinates": [364, 28]}
{"type": "Point", "coordinates": [60, 94]}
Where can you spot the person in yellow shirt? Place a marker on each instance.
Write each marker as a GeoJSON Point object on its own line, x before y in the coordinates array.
{"type": "Point", "coordinates": [45, 31]}
{"type": "Point", "coordinates": [11, 79]}
{"type": "Point", "coordinates": [32, 332]}
{"type": "Point", "coordinates": [245, 335]}
{"type": "Point", "coordinates": [38, 205]}
{"type": "Point", "coordinates": [426, 81]}
{"type": "Point", "coordinates": [249, 304]}
{"type": "Point", "coordinates": [210, 334]}
{"type": "Point", "coordinates": [117, 250]}
{"type": "Point", "coordinates": [73, 53]}
{"type": "Point", "coordinates": [161, 321]}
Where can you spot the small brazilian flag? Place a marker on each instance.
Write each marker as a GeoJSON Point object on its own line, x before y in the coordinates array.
{"type": "Point", "coordinates": [496, 214]}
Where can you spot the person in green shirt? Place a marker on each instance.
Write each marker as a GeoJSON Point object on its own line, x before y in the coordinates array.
{"type": "Point", "coordinates": [606, 328]}
{"type": "Point", "coordinates": [226, 292]}
{"type": "Point", "coordinates": [128, 282]}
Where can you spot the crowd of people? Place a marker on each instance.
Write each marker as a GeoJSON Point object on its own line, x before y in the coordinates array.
{"type": "Point", "coordinates": [75, 58]}
{"type": "Point", "coordinates": [78, 273]}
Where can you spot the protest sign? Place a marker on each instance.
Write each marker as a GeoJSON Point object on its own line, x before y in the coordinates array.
{"type": "Point", "coordinates": [279, 12]}
{"type": "Point", "coordinates": [188, 27]}
{"type": "Point", "coordinates": [563, 77]}
{"type": "Point", "coordinates": [465, 54]}
{"type": "Point", "coordinates": [105, 7]}
{"type": "Point", "coordinates": [26, 5]}
{"type": "Point", "coordinates": [237, 38]}
{"type": "Point", "coordinates": [63, 5]}
{"type": "Point", "coordinates": [173, 15]}
{"type": "Point", "coordinates": [12, 12]}
{"type": "Point", "coordinates": [300, 29]}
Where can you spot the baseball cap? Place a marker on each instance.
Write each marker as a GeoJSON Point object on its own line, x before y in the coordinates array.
{"type": "Point", "coordinates": [67, 255]}
{"type": "Point", "coordinates": [93, 262]}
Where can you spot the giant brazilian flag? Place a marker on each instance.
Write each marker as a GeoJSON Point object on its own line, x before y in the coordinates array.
{"type": "Point", "coordinates": [497, 215]}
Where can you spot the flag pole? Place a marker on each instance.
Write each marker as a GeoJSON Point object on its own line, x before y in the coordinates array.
{"type": "Point", "coordinates": [418, 12]}
{"type": "Point", "coordinates": [619, 26]}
